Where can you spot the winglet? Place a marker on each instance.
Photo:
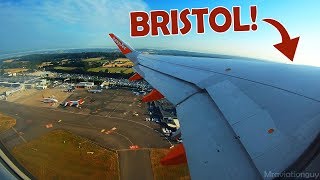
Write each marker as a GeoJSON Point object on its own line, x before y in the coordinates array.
{"type": "Point", "coordinates": [124, 48]}
{"type": "Point", "coordinates": [128, 51]}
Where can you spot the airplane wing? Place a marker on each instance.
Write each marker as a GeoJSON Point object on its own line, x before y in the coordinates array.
{"type": "Point", "coordinates": [240, 118]}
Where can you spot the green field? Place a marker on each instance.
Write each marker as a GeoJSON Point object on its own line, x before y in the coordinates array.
{"type": "Point", "coordinates": [57, 156]}
{"type": "Point", "coordinates": [112, 70]}
{"type": "Point", "coordinates": [98, 59]}
{"type": "Point", "coordinates": [6, 123]}
{"type": "Point", "coordinates": [167, 172]}
{"type": "Point", "coordinates": [92, 59]}
{"type": "Point", "coordinates": [15, 70]}
{"type": "Point", "coordinates": [65, 68]}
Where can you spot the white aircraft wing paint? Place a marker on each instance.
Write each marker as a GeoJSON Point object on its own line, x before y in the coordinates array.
{"type": "Point", "coordinates": [240, 118]}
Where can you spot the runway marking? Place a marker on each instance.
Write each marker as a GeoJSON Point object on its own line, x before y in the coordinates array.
{"type": "Point", "coordinates": [134, 147]}
{"type": "Point", "coordinates": [91, 125]}
{"type": "Point", "coordinates": [113, 117]}
{"type": "Point", "coordinates": [111, 130]}
{"type": "Point", "coordinates": [124, 137]}
{"type": "Point", "coordinates": [24, 140]}
{"type": "Point", "coordinates": [115, 108]}
{"type": "Point", "coordinates": [167, 139]}
{"type": "Point", "coordinates": [142, 125]}
{"type": "Point", "coordinates": [123, 119]}
{"type": "Point", "coordinates": [78, 125]}
{"type": "Point", "coordinates": [49, 126]}
{"type": "Point", "coordinates": [95, 128]}
{"type": "Point", "coordinates": [122, 150]}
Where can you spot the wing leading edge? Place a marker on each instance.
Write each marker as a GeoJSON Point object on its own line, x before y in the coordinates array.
{"type": "Point", "coordinates": [239, 118]}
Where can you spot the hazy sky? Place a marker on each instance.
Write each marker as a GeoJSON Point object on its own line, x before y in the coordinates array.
{"type": "Point", "coordinates": [37, 25]}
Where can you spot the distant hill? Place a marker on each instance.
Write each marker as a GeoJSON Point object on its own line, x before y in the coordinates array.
{"type": "Point", "coordinates": [88, 61]}
{"type": "Point", "coordinates": [83, 52]}
{"type": "Point", "coordinates": [59, 51]}
{"type": "Point", "coordinates": [71, 56]}
{"type": "Point", "coordinates": [105, 50]}
{"type": "Point", "coordinates": [183, 53]}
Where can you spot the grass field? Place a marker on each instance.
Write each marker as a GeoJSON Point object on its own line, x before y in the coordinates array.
{"type": "Point", "coordinates": [98, 59]}
{"type": "Point", "coordinates": [167, 172]}
{"type": "Point", "coordinates": [65, 68]}
{"type": "Point", "coordinates": [16, 70]}
{"type": "Point", "coordinates": [6, 123]}
{"type": "Point", "coordinates": [120, 62]}
{"type": "Point", "coordinates": [8, 61]}
{"type": "Point", "coordinates": [112, 70]}
{"type": "Point", "coordinates": [57, 156]}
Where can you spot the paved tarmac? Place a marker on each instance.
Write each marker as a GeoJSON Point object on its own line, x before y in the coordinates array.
{"type": "Point", "coordinates": [32, 121]}
{"type": "Point", "coordinates": [139, 166]}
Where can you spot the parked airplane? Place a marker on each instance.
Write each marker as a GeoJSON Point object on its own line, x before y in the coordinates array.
{"type": "Point", "coordinates": [240, 117]}
{"type": "Point", "coordinates": [95, 90]}
{"type": "Point", "coordinates": [73, 103]}
{"type": "Point", "coordinates": [49, 100]}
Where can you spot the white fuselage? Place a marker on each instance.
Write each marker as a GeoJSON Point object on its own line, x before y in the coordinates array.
{"type": "Point", "coordinates": [49, 100]}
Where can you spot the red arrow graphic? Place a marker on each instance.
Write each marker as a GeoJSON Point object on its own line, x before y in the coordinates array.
{"type": "Point", "coordinates": [288, 46]}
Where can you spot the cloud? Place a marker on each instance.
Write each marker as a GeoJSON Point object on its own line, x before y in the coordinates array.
{"type": "Point", "coordinates": [88, 12]}
{"type": "Point", "coordinates": [35, 24]}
